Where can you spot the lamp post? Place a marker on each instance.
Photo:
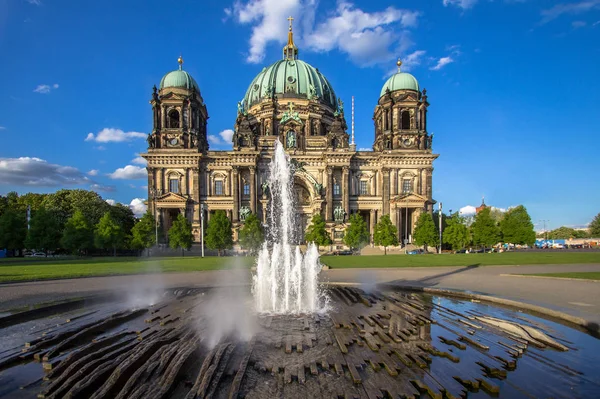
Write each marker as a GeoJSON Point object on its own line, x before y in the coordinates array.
{"type": "Point", "coordinates": [154, 194]}
{"type": "Point", "coordinates": [202, 227]}
{"type": "Point", "coordinates": [545, 231]}
{"type": "Point", "coordinates": [440, 222]}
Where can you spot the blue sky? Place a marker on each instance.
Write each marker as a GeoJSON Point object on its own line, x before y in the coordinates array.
{"type": "Point", "coordinates": [513, 87]}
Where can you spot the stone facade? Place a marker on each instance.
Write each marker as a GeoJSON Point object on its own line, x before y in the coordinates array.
{"type": "Point", "coordinates": [331, 177]}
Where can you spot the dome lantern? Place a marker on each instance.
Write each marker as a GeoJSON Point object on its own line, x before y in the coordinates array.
{"type": "Point", "coordinates": [179, 79]}
{"type": "Point", "coordinates": [400, 81]}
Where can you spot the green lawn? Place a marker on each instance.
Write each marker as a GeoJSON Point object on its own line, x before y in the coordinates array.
{"type": "Point", "coordinates": [581, 275]}
{"type": "Point", "coordinates": [506, 258]}
{"type": "Point", "coordinates": [42, 269]}
{"type": "Point", "coordinates": [28, 269]}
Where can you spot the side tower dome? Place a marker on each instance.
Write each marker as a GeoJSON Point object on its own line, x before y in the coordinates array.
{"type": "Point", "coordinates": [179, 112]}
{"type": "Point", "coordinates": [401, 115]}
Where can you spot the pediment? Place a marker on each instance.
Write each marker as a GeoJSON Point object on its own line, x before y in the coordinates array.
{"type": "Point", "coordinates": [411, 198]}
{"type": "Point", "coordinates": [172, 197]}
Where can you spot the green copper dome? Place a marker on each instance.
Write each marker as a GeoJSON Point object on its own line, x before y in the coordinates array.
{"type": "Point", "coordinates": [179, 78]}
{"type": "Point", "coordinates": [290, 78]}
{"type": "Point", "coordinates": [400, 81]}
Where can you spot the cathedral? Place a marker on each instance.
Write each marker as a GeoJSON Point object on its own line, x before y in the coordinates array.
{"type": "Point", "coordinates": [293, 102]}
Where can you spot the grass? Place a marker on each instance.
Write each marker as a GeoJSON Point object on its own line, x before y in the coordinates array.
{"type": "Point", "coordinates": [42, 269]}
{"type": "Point", "coordinates": [29, 269]}
{"type": "Point", "coordinates": [506, 258]}
{"type": "Point", "coordinates": [578, 275]}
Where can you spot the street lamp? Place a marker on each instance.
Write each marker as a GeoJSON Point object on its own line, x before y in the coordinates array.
{"type": "Point", "coordinates": [154, 194]}
{"type": "Point", "coordinates": [440, 222]}
{"type": "Point", "coordinates": [545, 232]}
{"type": "Point", "coordinates": [202, 227]}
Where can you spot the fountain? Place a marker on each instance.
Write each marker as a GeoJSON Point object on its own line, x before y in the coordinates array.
{"type": "Point", "coordinates": [286, 281]}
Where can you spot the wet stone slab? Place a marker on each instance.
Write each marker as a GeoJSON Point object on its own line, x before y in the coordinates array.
{"type": "Point", "coordinates": [380, 344]}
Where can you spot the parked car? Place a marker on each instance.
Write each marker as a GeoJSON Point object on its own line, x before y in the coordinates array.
{"type": "Point", "coordinates": [417, 251]}
{"type": "Point", "coordinates": [343, 252]}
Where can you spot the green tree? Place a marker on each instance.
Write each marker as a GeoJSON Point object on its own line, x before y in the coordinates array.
{"type": "Point", "coordinates": [124, 216]}
{"type": "Point", "coordinates": [456, 233]}
{"type": "Point", "coordinates": [425, 232]}
{"type": "Point", "coordinates": [143, 233]}
{"type": "Point", "coordinates": [13, 230]}
{"type": "Point", "coordinates": [44, 231]}
{"type": "Point", "coordinates": [218, 232]}
{"type": "Point", "coordinates": [385, 233]}
{"type": "Point", "coordinates": [595, 227]}
{"type": "Point", "coordinates": [516, 227]}
{"type": "Point", "coordinates": [251, 235]}
{"type": "Point", "coordinates": [357, 234]}
{"type": "Point", "coordinates": [180, 234]}
{"type": "Point", "coordinates": [484, 229]}
{"type": "Point", "coordinates": [66, 202]}
{"type": "Point", "coordinates": [78, 235]}
{"type": "Point", "coordinates": [316, 232]}
{"type": "Point", "coordinates": [564, 232]}
{"type": "Point", "coordinates": [3, 204]}
{"type": "Point", "coordinates": [109, 234]}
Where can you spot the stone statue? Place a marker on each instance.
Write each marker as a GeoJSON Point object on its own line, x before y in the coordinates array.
{"type": "Point", "coordinates": [291, 139]}
{"type": "Point", "coordinates": [338, 214]}
{"type": "Point", "coordinates": [244, 213]}
{"type": "Point", "coordinates": [240, 108]}
{"type": "Point", "coordinates": [151, 141]}
{"type": "Point", "coordinates": [313, 91]}
{"type": "Point", "coordinates": [154, 93]}
{"type": "Point", "coordinates": [340, 106]}
{"type": "Point", "coordinates": [265, 188]}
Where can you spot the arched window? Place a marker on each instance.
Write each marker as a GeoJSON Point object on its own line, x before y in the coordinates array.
{"type": "Point", "coordinates": [405, 120]}
{"type": "Point", "coordinates": [173, 119]}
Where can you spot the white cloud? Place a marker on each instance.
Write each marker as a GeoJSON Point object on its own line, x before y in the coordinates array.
{"type": "Point", "coordinates": [29, 171]}
{"type": "Point", "coordinates": [2, 128]}
{"type": "Point", "coordinates": [569, 9]}
{"type": "Point", "coordinates": [112, 135]}
{"type": "Point", "coordinates": [441, 63]}
{"type": "Point", "coordinates": [35, 2]}
{"type": "Point", "coordinates": [93, 172]}
{"type": "Point", "coordinates": [138, 207]}
{"type": "Point", "coordinates": [111, 201]}
{"type": "Point", "coordinates": [224, 138]}
{"type": "Point", "coordinates": [139, 161]}
{"type": "Point", "coordinates": [467, 210]}
{"type": "Point", "coordinates": [129, 172]}
{"type": "Point", "coordinates": [45, 89]}
{"type": "Point", "coordinates": [578, 24]}
{"type": "Point", "coordinates": [368, 38]}
{"type": "Point", "coordinates": [464, 4]}
{"type": "Point", "coordinates": [365, 149]}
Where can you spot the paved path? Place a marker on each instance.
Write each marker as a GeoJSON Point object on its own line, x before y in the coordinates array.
{"type": "Point", "coordinates": [578, 298]}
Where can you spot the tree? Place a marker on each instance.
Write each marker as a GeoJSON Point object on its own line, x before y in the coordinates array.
{"type": "Point", "coordinates": [108, 233]}
{"type": "Point", "coordinates": [595, 227]}
{"type": "Point", "coordinates": [180, 234]}
{"type": "Point", "coordinates": [218, 232]}
{"type": "Point", "coordinates": [66, 202]}
{"type": "Point", "coordinates": [13, 230]}
{"type": "Point", "coordinates": [357, 234]}
{"type": "Point", "coordinates": [516, 227]}
{"type": "Point", "coordinates": [456, 233]}
{"type": "Point", "coordinates": [385, 233]}
{"type": "Point", "coordinates": [425, 232]}
{"type": "Point", "coordinates": [78, 235]}
{"type": "Point", "coordinates": [144, 233]}
{"type": "Point", "coordinates": [316, 231]}
{"type": "Point", "coordinates": [44, 231]}
{"type": "Point", "coordinates": [484, 229]}
{"type": "Point", "coordinates": [564, 232]}
{"type": "Point", "coordinates": [251, 235]}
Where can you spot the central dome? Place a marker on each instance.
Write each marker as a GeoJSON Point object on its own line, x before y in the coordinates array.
{"type": "Point", "coordinates": [290, 78]}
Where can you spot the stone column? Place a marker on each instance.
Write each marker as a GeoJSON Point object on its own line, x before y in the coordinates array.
{"type": "Point", "coordinates": [394, 216]}
{"type": "Point", "coordinates": [236, 198]}
{"type": "Point", "coordinates": [181, 111]}
{"type": "Point", "coordinates": [195, 184]}
{"type": "Point", "coordinates": [372, 223]}
{"type": "Point", "coordinates": [186, 177]}
{"type": "Point", "coordinates": [329, 195]}
{"type": "Point", "coordinates": [163, 181]}
{"type": "Point", "coordinates": [253, 189]}
{"type": "Point", "coordinates": [163, 119]}
{"type": "Point", "coordinates": [346, 189]}
{"type": "Point", "coordinates": [386, 191]}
